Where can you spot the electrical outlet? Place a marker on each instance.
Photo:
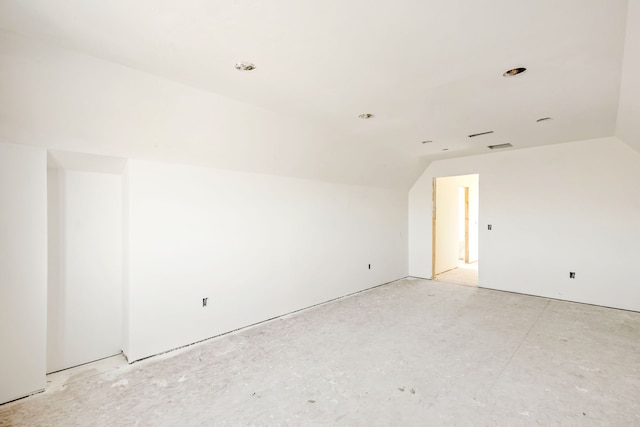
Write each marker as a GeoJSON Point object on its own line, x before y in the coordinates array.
{"type": "Point", "coordinates": [204, 301]}
{"type": "Point", "coordinates": [572, 275]}
{"type": "Point", "coordinates": [489, 227]}
{"type": "Point", "coordinates": [369, 266]}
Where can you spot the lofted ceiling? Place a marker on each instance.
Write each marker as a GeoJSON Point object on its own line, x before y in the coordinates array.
{"type": "Point", "coordinates": [93, 77]}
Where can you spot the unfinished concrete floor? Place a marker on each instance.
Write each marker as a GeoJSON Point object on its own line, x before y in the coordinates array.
{"type": "Point", "coordinates": [414, 352]}
{"type": "Point", "coordinates": [464, 274]}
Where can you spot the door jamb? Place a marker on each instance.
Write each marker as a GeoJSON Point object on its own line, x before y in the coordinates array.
{"type": "Point", "coordinates": [466, 225]}
{"type": "Point", "coordinates": [433, 229]}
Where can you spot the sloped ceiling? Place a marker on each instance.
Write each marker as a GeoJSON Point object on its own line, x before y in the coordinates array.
{"type": "Point", "coordinates": [156, 79]}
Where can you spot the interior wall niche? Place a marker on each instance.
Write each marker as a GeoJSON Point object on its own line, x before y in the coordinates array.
{"type": "Point", "coordinates": [85, 258]}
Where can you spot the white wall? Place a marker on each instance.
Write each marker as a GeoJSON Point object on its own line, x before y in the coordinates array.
{"type": "Point", "coordinates": [447, 246]}
{"type": "Point", "coordinates": [55, 291]}
{"type": "Point", "coordinates": [554, 209]}
{"type": "Point", "coordinates": [628, 125]}
{"type": "Point", "coordinates": [125, 259]}
{"type": "Point", "coordinates": [23, 270]}
{"type": "Point", "coordinates": [85, 267]}
{"type": "Point", "coordinates": [257, 246]}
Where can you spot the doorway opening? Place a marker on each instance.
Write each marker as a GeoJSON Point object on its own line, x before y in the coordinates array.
{"type": "Point", "coordinates": [455, 255]}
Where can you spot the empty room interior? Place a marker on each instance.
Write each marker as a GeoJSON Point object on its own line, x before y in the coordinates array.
{"type": "Point", "coordinates": [319, 213]}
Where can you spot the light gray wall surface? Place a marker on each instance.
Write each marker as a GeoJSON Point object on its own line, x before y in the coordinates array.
{"type": "Point", "coordinates": [23, 270]}
{"type": "Point", "coordinates": [85, 292]}
{"type": "Point", "coordinates": [257, 246]}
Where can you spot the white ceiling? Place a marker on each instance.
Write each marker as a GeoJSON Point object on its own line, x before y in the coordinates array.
{"type": "Point", "coordinates": [427, 69]}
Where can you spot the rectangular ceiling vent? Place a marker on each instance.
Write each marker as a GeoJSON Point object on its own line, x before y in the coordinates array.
{"type": "Point", "coordinates": [499, 146]}
{"type": "Point", "coordinates": [473, 135]}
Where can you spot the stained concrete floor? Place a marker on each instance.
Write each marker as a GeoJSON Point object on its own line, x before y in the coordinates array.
{"type": "Point", "coordinates": [414, 352]}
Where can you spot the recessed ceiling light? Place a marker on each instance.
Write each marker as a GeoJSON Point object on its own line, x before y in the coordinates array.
{"type": "Point", "coordinates": [514, 72]}
{"type": "Point", "coordinates": [473, 135]}
{"type": "Point", "coordinates": [366, 116]}
{"type": "Point", "coordinates": [499, 146]}
{"type": "Point", "coordinates": [544, 119]}
{"type": "Point", "coordinates": [244, 66]}
{"type": "Point", "coordinates": [427, 141]}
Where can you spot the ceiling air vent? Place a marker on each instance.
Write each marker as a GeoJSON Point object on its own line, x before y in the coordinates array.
{"type": "Point", "coordinates": [499, 146]}
{"type": "Point", "coordinates": [473, 135]}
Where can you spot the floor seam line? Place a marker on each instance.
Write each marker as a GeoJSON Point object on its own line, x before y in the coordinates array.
{"type": "Point", "coordinates": [504, 368]}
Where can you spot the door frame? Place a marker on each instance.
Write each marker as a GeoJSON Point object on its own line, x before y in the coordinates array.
{"type": "Point", "coordinates": [433, 228]}
{"type": "Point", "coordinates": [466, 225]}
{"type": "Point", "coordinates": [434, 220]}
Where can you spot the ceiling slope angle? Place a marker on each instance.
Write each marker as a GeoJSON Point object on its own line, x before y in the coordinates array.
{"type": "Point", "coordinates": [77, 103]}
{"type": "Point", "coordinates": [426, 70]}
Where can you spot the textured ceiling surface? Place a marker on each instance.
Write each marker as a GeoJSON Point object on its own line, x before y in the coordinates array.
{"type": "Point", "coordinates": [156, 79]}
